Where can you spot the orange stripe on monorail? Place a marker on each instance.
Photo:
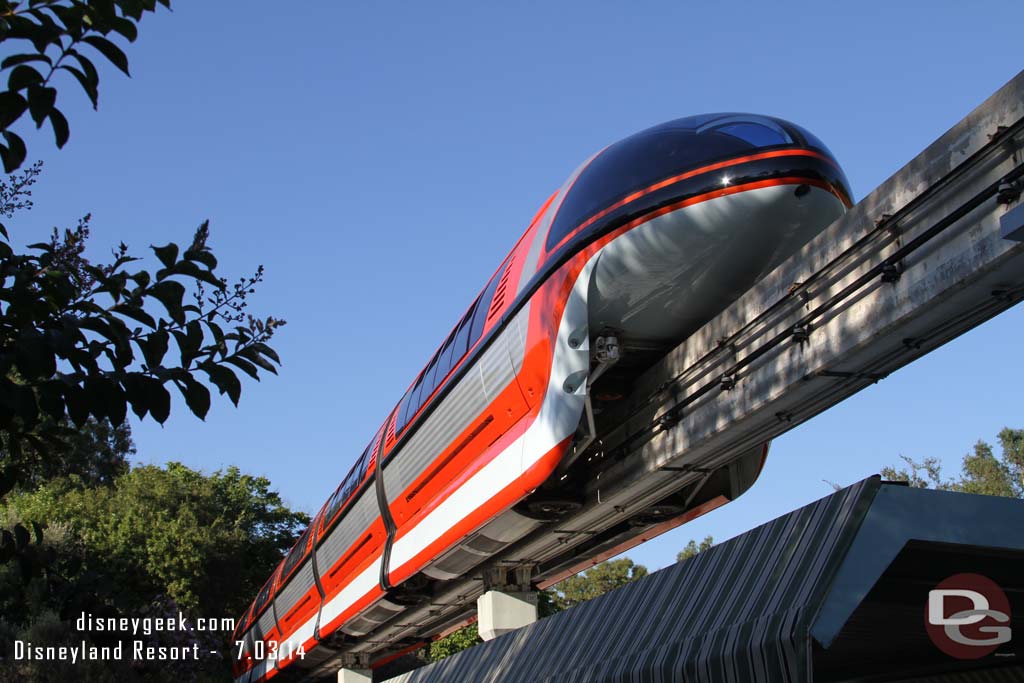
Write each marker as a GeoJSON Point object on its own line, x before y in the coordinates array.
{"type": "Point", "coordinates": [724, 192]}
{"type": "Point", "coordinates": [696, 172]}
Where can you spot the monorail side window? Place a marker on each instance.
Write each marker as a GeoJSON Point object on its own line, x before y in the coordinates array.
{"type": "Point", "coordinates": [468, 331]}
{"type": "Point", "coordinates": [461, 344]}
{"type": "Point", "coordinates": [444, 360]}
{"type": "Point", "coordinates": [261, 599]}
{"type": "Point", "coordinates": [294, 555]}
{"type": "Point", "coordinates": [243, 624]}
{"type": "Point", "coordinates": [416, 400]}
{"type": "Point", "coordinates": [403, 413]}
{"type": "Point", "coordinates": [480, 315]}
{"type": "Point", "coordinates": [428, 383]}
{"type": "Point", "coordinates": [348, 485]}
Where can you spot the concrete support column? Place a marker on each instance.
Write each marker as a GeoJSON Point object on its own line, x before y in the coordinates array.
{"type": "Point", "coordinates": [499, 612]}
{"type": "Point", "coordinates": [354, 676]}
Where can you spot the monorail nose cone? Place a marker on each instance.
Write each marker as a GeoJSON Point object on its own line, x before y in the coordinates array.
{"type": "Point", "coordinates": [706, 205]}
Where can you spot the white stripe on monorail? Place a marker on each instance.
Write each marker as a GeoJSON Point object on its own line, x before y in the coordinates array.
{"type": "Point", "coordinates": [558, 419]}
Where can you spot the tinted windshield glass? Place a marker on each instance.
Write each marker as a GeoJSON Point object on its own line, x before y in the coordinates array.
{"type": "Point", "coordinates": [658, 153]}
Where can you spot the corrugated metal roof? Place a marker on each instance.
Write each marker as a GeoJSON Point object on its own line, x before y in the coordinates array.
{"type": "Point", "coordinates": [737, 612]}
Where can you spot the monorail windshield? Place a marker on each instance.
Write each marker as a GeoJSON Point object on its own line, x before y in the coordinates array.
{"type": "Point", "coordinates": [666, 150]}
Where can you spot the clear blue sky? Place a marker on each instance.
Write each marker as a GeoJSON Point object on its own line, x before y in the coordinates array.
{"type": "Point", "coordinates": [380, 159]}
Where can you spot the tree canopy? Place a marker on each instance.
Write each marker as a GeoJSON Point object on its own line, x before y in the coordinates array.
{"type": "Point", "coordinates": [981, 471]}
{"type": "Point", "coordinates": [157, 535]}
{"type": "Point", "coordinates": [462, 639]}
{"type": "Point", "coordinates": [83, 342]}
{"type": "Point", "coordinates": [596, 581]}
{"type": "Point", "coordinates": [172, 531]}
{"type": "Point", "coordinates": [693, 548]}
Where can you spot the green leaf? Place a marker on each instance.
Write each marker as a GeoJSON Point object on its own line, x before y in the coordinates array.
{"type": "Point", "coordinates": [110, 51]}
{"type": "Point", "coordinates": [170, 294]}
{"type": "Point", "coordinates": [168, 254]}
{"type": "Point", "coordinates": [135, 390]}
{"type": "Point", "coordinates": [158, 399]}
{"type": "Point", "coordinates": [105, 399]}
{"type": "Point", "coordinates": [114, 401]}
{"type": "Point", "coordinates": [90, 86]}
{"type": "Point", "coordinates": [125, 27]}
{"type": "Point", "coordinates": [243, 365]}
{"type": "Point", "coordinates": [154, 347]}
{"type": "Point", "coordinates": [122, 343]}
{"type": "Point", "coordinates": [14, 153]}
{"type": "Point", "coordinates": [100, 326]}
{"type": "Point", "coordinates": [14, 60]}
{"type": "Point", "coordinates": [218, 334]}
{"type": "Point", "coordinates": [12, 106]}
{"type": "Point", "coordinates": [189, 342]}
{"type": "Point", "coordinates": [135, 313]}
{"type": "Point", "coordinates": [23, 76]}
{"type": "Point", "coordinates": [224, 379]}
{"type": "Point", "coordinates": [267, 351]}
{"type": "Point", "coordinates": [203, 256]}
{"type": "Point", "coordinates": [189, 269]}
{"type": "Point", "coordinates": [197, 397]}
{"type": "Point", "coordinates": [251, 354]}
{"type": "Point", "coordinates": [61, 133]}
{"type": "Point", "coordinates": [78, 404]}
{"type": "Point", "coordinates": [40, 103]}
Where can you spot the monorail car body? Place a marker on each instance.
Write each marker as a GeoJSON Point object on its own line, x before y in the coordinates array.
{"type": "Point", "coordinates": [645, 241]}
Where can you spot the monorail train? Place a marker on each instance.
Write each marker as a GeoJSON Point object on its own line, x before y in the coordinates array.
{"type": "Point", "coordinates": [646, 241]}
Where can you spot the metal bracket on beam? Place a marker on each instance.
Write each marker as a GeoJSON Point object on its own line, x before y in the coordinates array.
{"type": "Point", "coordinates": [873, 376]}
{"type": "Point", "coordinates": [509, 579]}
{"type": "Point", "coordinates": [1008, 192]}
{"type": "Point", "coordinates": [355, 660]}
{"type": "Point", "coordinates": [1011, 224]}
{"type": "Point", "coordinates": [670, 418]}
{"type": "Point", "coordinates": [801, 333]}
{"type": "Point", "coordinates": [891, 273]}
{"type": "Point", "coordinates": [684, 468]}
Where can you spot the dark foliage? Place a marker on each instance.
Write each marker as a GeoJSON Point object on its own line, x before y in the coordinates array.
{"type": "Point", "coordinates": [51, 38]}
{"type": "Point", "coordinates": [83, 342]}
